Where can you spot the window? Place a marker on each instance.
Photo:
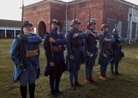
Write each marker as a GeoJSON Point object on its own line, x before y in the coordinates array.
{"type": "Point", "coordinates": [35, 8]}
{"type": "Point", "coordinates": [2, 33]}
{"type": "Point", "coordinates": [125, 7]}
{"type": "Point", "coordinates": [82, 4]}
{"type": "Point", "coordinates": [17, 32]}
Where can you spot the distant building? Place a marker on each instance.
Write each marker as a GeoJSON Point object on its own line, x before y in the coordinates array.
{"type": "Point", "coordinates": [120, 12]}
{"type": "Point", "coordinates": [9, 28]}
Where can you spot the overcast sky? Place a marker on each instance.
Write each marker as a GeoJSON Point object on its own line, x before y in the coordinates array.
{"type": "Point", "coordinates": [10, 9]}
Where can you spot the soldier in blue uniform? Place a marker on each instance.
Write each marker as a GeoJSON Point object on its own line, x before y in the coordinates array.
{"type": "Point", "coordinates": [106, 51]}
{"type": "Point", "coordinates": [55, 69]}
{"type": "Point", "coordinates": [75, 53]}
{"type": "Point", "coordinates": [29, 71]}
{"type": "Point", "coordinates": [91, 51]}
{"type": "Point", "coordinates": [118, 52]}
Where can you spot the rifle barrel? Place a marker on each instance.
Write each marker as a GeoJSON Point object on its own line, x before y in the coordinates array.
{"type": "Point", "coordinates": [22, 17]}
{"type": "Point", "coordinates": [21, 32]}
{"type": "Point", "coordinates": [89, 19]}
{"type": "Point", "coordinates": [74, 21]}
{"type": "Point", "coordinates": [51, 49]}
{"type": "Point", "coordinates": [73, 32]}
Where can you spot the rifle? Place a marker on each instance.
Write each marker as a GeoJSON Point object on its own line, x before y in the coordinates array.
{"type": "Point", "coordinates": [51, 49]}
{"type": "Point", "coordinates": [114, 37]}
{"type": "Point", "coordinates": [21, 51]}
{"type": "Point", "coordinates": [116, 23]}
{"type": "Point", "coordinates": [89, 19]}
{"type": "Point", "coordinates": [84, 22]}
{"type": "Point", "coordinates": [88, 31]}
{"type": "Point", "coordinates": [74, 22]}
{"type": "Point", "coordinates": [73, 31]}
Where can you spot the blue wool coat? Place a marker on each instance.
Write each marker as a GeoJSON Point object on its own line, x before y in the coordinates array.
{"type": "Point", "coordinates": [57, 55]}
{"type": "Point", "coordinates": [93, 48]}
{"type": "Point", "coordinates": [101, 59]}
{"type": "Point", "coordinates": [31, 44]}
{"type": "Point", "coordinates": [118, 52]}
{"type": "Point", "coordinates": [77, 52]}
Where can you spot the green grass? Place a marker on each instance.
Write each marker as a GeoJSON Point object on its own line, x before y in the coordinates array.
{"type": "Point", "coordinates": [125, 86]}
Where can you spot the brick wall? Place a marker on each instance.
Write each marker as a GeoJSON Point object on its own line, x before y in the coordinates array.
{"type": "Point", "coordinates": [59, 13]}
{"type": "Point", "coordinates": [115, 10]}
{"type": "Point", "coordinates": [100, 10]}
{"type": "Point", "coordinates": [96, 7]}
{"type": "Point", "coordinates": [41, 14]}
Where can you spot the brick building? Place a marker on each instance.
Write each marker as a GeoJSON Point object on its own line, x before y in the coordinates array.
{"type": "Point", "coordinates": [112, 12]}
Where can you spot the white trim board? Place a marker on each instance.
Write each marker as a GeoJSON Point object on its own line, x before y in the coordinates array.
{"type": "Point", "coordinates": [10, 28]}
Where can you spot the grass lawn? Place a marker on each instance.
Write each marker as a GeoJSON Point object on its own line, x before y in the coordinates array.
{"type": "Point", "coordinates": [125, 86]}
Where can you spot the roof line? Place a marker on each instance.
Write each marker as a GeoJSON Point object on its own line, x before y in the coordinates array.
{"type": "Point", "coordinates": [126, 2]}
{"type": "Point", "coordinates": [62, 2]}
{"type": "Point", "coordinates": [10, 20]}
{"type": "Point", "coordinates": [43, 2]}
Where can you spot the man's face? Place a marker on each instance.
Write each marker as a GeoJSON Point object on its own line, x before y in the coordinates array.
{"type": "Point", "coordinates": [116, 33]}
{"type": "Point", "coordinates": [106, 29]}
{"type": "Point", "coordinates": [77, 26]}
{"type": "Point", "coordinates": [54, 26]}
{"type": "Point", "coordinates": [27, 28]}
{"type": "Point", "coordinates": [92, 26]}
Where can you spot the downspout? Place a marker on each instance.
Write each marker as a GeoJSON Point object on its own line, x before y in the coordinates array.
{"type": "Point", "coordinates": [130, 32]}
{"type": "Point", "coordinates": [130, 15]}
{"type": "Point", "coordinates": [66, 16]}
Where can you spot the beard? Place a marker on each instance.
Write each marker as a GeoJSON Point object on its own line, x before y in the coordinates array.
{"type": "Point", "coordinates": [106, 31]}
{"type": "Point", "coordinates": [56, 28]}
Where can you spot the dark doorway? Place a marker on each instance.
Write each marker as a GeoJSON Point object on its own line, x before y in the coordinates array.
{"type": "Point", "coordinates": [42, 29]}
{"type": "Point", "coordinates": [10, 33]}
{"type": "Point", "coordinates": [124, 29]}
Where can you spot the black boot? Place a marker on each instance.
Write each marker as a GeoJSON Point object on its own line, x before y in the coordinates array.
{"type": "Point", "coordinates": [23, 90]}
{"type": "Point", "coordinates": [53, 94]}
{"type": "Point", "coordinates": [31, 90]}
{"type": "Point", "coordinates": [58, 92]}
